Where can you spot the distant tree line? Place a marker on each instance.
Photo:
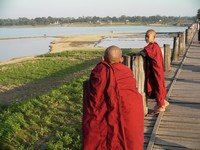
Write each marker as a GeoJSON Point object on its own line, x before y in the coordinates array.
{"type": "Point", "coordinates": [198, 14]}
{"type": "Point", "coordinates": [99, 20]}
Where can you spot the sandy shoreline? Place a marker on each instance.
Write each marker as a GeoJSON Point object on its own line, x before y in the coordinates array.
{"type": "Point", "coordinates": [83, 42]}
{"type": "Point", "coordinates": [74, 42]}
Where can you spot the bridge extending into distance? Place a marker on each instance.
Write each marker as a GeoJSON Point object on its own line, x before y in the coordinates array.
{"type": "Point", "coordinates": [178, 128]}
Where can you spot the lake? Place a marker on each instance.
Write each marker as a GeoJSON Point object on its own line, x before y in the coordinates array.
{"type": "Point", "coordinates": [23, 47]}
{"type": "Point", "coordinates": [34, 46]}
{"type": "Point", "coordinates": [133, 42]}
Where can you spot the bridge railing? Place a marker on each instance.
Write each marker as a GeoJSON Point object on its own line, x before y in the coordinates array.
{"type": "Point", "coordinates": [137, 63]}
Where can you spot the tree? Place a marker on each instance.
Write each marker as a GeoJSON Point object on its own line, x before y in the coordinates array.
{"type": "Point", "coordinates": [109, 20]}
{"type": "Point", "coordinates": [198, 14]}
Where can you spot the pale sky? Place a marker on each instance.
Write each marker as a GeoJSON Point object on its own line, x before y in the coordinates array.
{"type": "Point", "coordinates": [101, 8]}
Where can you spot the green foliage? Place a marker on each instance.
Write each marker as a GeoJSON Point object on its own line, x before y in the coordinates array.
{"type": "Point", "coordinates": [198, 14]}
{"type": "Point", "coordinates": [51, 120]}
{"type": "Point", "coordinates": [48, 67]}
{"type": "Point", "coordinates": [54, 117]}
{"type": "Point", "coordinates": [97, 20]}
{"type": "Point", "coordinates": [75, 54]}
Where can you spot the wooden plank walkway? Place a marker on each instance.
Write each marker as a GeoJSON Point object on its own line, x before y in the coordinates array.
{"type": "Point", "coordinates": [178, 128]}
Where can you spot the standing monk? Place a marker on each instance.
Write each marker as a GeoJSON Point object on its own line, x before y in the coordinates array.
{"type": "Point", "coordinates": [113, 114]}
{"type": "Point", "coordinates": [155, 71]}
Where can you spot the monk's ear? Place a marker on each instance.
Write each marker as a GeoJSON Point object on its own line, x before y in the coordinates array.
{"type": "Point", "coordinates": [102, 58]}
{"type": "Point", "coordinates": [122, 59]}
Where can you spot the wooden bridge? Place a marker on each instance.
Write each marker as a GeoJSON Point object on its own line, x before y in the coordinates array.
{"type": "Point", "coordinates": [178, 128]}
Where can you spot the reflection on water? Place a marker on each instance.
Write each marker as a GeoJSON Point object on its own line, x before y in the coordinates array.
{"type": "Point", "coordinates": [23, 47]}
{"type": "Point", "coordinates": [33, 46]}
{"type": "Point", "coordinates": [132, 42]}
{"type": "Point", "coordinates": [58, 31]}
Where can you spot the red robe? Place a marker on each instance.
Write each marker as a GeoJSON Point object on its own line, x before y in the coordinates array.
{"type": "Point", "coordinates": [113, 116]}
{"type": "Point", "coordinates": [155, 73]}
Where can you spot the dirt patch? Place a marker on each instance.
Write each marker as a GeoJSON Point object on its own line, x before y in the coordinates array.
{"type": "Point", "coordinates": [75, 42]}
{"type": "Point", "coordinates": [84, 42]}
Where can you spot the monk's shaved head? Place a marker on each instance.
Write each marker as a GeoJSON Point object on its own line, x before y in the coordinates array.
{"type": "Point", "coordinates": [113, 54]}
{"type": "Point", "coordinates": [151, 32]}
{"type": "Point", "coordinates": [150, 36]}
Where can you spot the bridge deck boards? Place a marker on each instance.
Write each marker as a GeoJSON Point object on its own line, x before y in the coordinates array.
{"type": "Point", "coordinates": [179, 125]}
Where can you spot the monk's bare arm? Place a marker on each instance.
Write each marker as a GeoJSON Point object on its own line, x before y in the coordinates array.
{"type": "Point", "coordinates": [143, 53]}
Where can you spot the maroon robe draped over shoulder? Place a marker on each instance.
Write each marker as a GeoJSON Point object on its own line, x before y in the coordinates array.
{"type": "Point", "coordinates": [155, 73]}
{"type": "Point", "coordinates": [113, 113]}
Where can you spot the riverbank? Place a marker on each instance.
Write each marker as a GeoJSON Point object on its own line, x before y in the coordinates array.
{"type": "Point", "coordinates": [84, 42]}
{"type": "Point", "coordinates": [20, 42]}
{"type": "Point", "coordinates": [71, 43]}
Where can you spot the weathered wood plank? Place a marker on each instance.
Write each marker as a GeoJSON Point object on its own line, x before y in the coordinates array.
{"type": "Point", "coordinates": [178, 143]}
{"type": "Point", "coordinates": [148, 130]}
{"type": "Point", "coordinates": [185, 95]}
{"type": "Point", "coordinates": [175, 125]}
{"type": "Point", "coordinates": [180, 113]}
{"type": "Point", "coordinates": [187, 83]}
{"type": "Point", "coordinates": [185, 99]}
{"type": "Point", "coordinates": [190, 110]}
{"type": "Point", "coordinates": [164, 147]}
{"type": "Point", "coordinates": [179, 134]}
{"type": "Point", "coordinates": [181, 119]}
{"type": "Point", "coordinates": [185, 91]}
{"type": "Point", "coordinates": [174, 138]}
{"type": "Point", "coordinates": [191, 87]}
{"type": "Point", "coordinates": [179, 125]}
{"type": "Point", "coordinates": [189, 77]}
{"type": "Point", "coordinates": [189, 131]}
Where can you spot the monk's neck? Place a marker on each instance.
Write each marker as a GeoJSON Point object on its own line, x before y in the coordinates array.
{"type": "Point", "coordinates": [151, 42]}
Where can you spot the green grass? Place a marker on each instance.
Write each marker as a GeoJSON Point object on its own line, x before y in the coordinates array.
{"type": "Point", "coordinates": [45, 111]}
{"type": "Point", "coordinates": [46, 66]}
{"type": "Point", "coordinates": [46, 120]}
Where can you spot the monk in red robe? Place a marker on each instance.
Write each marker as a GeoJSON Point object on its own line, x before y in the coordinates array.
{"type": "Point", "coordinates": [113, 114]}
{"type": "Point", "coordinates": [155, 72]}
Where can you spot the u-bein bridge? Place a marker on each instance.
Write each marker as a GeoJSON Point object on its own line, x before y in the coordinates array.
{"type": "Point", "coordinates": [178, 127]}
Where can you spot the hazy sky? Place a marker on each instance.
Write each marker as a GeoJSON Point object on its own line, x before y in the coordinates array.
{"type": "Point", "coordinates": [100, 8]}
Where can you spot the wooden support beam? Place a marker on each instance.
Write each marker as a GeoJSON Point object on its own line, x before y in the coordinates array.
{"type": "Point", "coordinates": [167, 57]}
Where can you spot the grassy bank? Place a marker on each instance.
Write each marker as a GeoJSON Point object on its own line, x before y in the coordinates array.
{"type": "Point", "coordinates": [41, 100]}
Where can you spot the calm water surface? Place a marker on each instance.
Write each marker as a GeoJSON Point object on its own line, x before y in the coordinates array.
{"type": "Point", "coordinates": [132, 42]}
{"type": "Point", "coordinates": [55, 31]}
{"type": "Point", "coordinates": [23, 47]}
{"type": "Point", "coordinates": [34, 46]}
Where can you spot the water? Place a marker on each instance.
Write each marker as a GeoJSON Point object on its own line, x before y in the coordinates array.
{"type": "Point", "coordinates": [34, 46]}
{"type": "Point", "coordinates": [132, 42]}
{"type": "Point", "coordinates": [23, 47]}
{"type": "Point", "coordinates": [55, 31]}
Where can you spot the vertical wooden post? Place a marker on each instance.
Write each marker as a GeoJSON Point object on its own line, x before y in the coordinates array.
{"type": "Point", "coordinates": [192, 27]}
{"type": "Point", "coordinates": [175, 50]}
{"type": "Point", "coordinates": [167, 57]}
{"type": "Point", "coordinates": [142, 82]}
{"type": "Point", "coordinates": [127, 61]}
{"type": "Point", "coordinates": [191, 34]}
{"type": "Point", "coordinates": [182, 42]}
{"type": "Point", "coordinates": [138, 68]}
{"type": "Point", "coordinates": [163, 52]}
{"type": "Point", "coordinates": [135, 68]}
{"type": "Point", "coordinates": [188, 36]}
